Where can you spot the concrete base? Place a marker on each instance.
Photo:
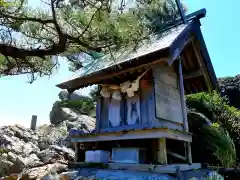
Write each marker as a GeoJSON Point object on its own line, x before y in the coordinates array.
{"type": "Point", "coordinates": [130, 175]}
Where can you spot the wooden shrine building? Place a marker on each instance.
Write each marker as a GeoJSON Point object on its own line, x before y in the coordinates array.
{"type": "Point", "coordinates": [142, 90]}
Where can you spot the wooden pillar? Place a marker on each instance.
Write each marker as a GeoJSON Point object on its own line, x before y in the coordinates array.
{"type": "Point", "coordinates": [76, 148]}
{"type": "Point", "coordinates": [33, 122]}
{"type": "Point", "coordinates": [98, 113]}
{"type": "Point", "coordinates": [162, 151]}
{"type": "Point", "coordinates": [184, 111]}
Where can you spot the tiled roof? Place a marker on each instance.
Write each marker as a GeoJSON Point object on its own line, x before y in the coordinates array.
{"type": "Point", "coordinates": [154, 43]}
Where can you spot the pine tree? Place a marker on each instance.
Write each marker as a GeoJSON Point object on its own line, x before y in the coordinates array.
{"type": "Point", "coordinates": [32, 40]}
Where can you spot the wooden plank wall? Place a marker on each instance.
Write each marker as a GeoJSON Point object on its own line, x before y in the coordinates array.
{"type": "Point", "coordinates": [147, 105]}
{"type": "Point", "coordinates": [167, 95]}
{"type": "Point", "coordinates": [104, 113]}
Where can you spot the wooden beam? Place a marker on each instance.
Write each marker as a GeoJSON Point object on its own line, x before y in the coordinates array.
{"type": "Point", "coordinates": [182, 96]}
{"type": "Point", "coordinates": [202, 66]}
{"type": "Point", "coordinates": [176, 155]}
{"type": "Point", "coordinates": [188, 152]}
{"type": "Point", "coordinates": [184, 110]}
{"type": "Point", "coordinates": [134, 134]}
{"type": "Point", "coordinates": [169, 169]}
{"type": "Point", "coordinates": [206, 58]}
{"type": "Point", "coordinates": [103, 75]}
{"type": "Point", "coordinates": [193, 74]}
{"type": "Point", "coordinates": [154, 150]}
{"type": "Point", "coordinates": [76, 148]}
{"type": "Point", "coordinates": [98, 114]}
{"type": "Point", "coordinates": [162, 151]}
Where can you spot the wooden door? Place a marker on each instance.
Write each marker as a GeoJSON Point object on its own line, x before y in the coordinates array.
{"type": "Point", "coordinates": [115, 117]}
{"type": "Point", "coordinates": [133, 110]}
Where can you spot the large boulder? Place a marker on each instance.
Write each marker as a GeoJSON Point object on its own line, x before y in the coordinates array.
{"type": "Point", "coordinates": [230, 87]}
{"type": "Point", "coordinates": [64, 95]}
{"type": "Point", "coordinates": [60, 114]}
{"type": "Point", "coordinates": [70, 107]}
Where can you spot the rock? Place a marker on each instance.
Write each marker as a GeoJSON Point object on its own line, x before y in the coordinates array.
{"type": "Point", "coordinates": [22, 133]}
{"type": "Point", "coordinates": [18, 147]}
{"type": "Point", "coordinates": [66, 151]}
{"type": "Point", "coordinates": [21, 148]}
{"type": "Point", "coordinates": [10, 163]}
{"type": "Point", "coordinates": [64, 95]}
{"type": "Point", "coordinates": [83, 122]}
{"type": "Point", "coordinates": [69, 175]}
{"type": "Point", "coordinates": [43, 143]}
{"type": "Point", "coordinates": [60, 114]}
{"type": "Point", "coordinates": [57, 115]}
{"type": "Point", "coordinates": [19, 164]}
{"type": "Point", "coordinates": [30, 148]}
{"type": "Point", "coordinates": [51, 135]}
{"type": "Point", "coordinates": [48, 155]}
{"type": "Point", "coordinates": [40, 172]}
{"type": "Point", "coordinates": [5, 166]}
{"type": "Point", "coordinates": [11, 177]}
{"type": "Point", "coordinates": [230, 87]}
{"type": "Point", "coordinates": [32, 161]}
{"type": "Point", "coordinates": [51, 177]}
{"type": "Point", "coordinates": [12, 157]}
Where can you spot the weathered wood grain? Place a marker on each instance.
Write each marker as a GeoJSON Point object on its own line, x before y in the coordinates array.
{"type": "Point", "coordinates": [133, 110]}
{"type": "Point", "coordinates": [162, 151]}
{"type": "Point", "coordinates": [134, 134]}
{"type": "Point", "coordinates": [167, 96]}
{"type": "Point", "coordinates": [104, 113]}
{"type": "Point", "coordinates": [114, 113]}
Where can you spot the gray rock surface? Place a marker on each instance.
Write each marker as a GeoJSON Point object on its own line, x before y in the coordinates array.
{"type": "Point", "coordinates": [21, 149]}
{"type": "Point", "coordinates": [48, 155]}
{"type": "Point", "coordinates": [64, 95]}
{"type": "Point", "coordinates": [61, 111]}
{"type": "Point", "coordinates": [72, 118]}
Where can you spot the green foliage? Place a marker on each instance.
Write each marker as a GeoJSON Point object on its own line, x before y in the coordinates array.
{"type": "Point", "coordinates": [94, 93]}
{"type": "Point", "coordinates": [216, 108]}
{"type": "Point", "coordinates": [3, 151]}
{"type": "Point", "coordinates": [31, 37]}
{"type": "Point", "coordinates": [84, 106]}
{"type": "Point", "coordinates": [221, 144]}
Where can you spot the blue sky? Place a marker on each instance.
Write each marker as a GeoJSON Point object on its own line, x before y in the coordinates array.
{"type": "Point", "coordinates": [19, 100]}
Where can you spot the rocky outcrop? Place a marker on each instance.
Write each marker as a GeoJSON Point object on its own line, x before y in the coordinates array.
{"type": "Point", "coordinates": [22, 150]}
{"type": "Point", "coordinates": [230, 87]}
{"type": "Point", "coordinates": [73, 108]}
{"type": "Point", "coordinates": [34, 153]}
{"type": "Point", "coordinates": [72, 118]}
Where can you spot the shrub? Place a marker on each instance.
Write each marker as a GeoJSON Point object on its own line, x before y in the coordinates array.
{"type": "Point", "coordinates": [216, 108]}
{"type": "Point", "coordinates": [84, 106]}
{"type": "Point", "coordinates": [3, 151]}
{"type": "Point", "coordinates": [221, 144]}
